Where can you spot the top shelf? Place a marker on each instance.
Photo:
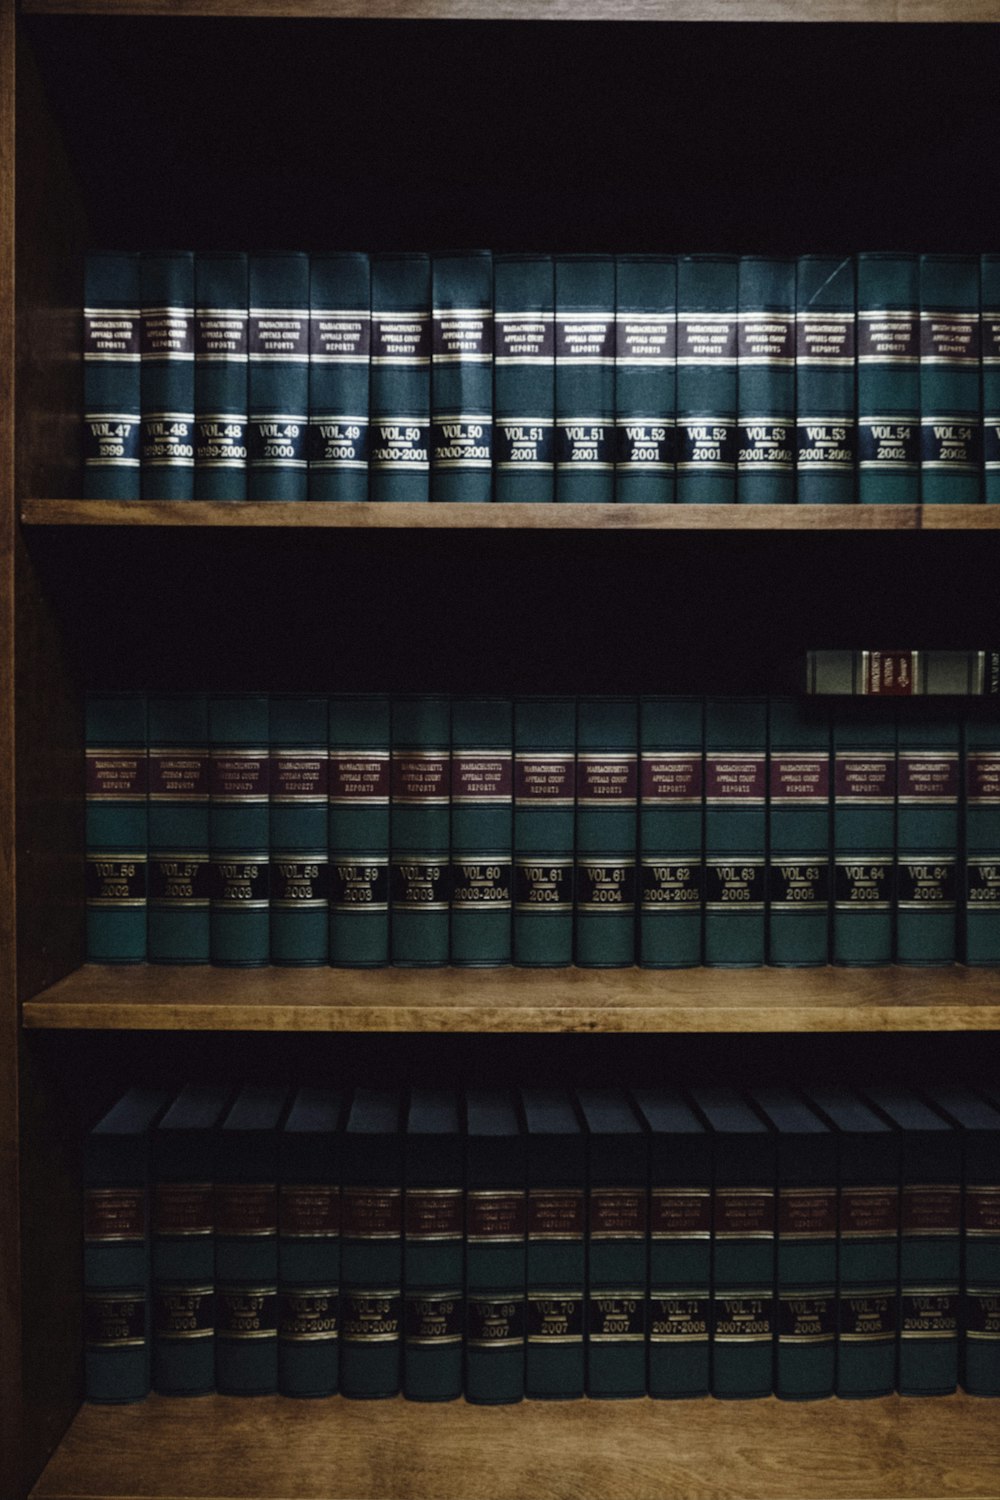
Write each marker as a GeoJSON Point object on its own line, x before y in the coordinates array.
{"type": "Point", "coordinates": [541, 10]}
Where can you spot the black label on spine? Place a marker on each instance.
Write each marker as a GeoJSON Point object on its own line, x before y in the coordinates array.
{"type": "Point", "coordinates": [949, 443]}
{"type": "Point", "coordinates": [645, 445]}
{"type": "Point", "coordinates": [110, 333]}
{"type": "Point", "coordinates": [418, 885]}
{"type": "Point", "coordinates": [114, 1320]}
{"type": "Point", "coordinates": [927, 883]}
{"type": "Point", "coordinates": [246, 1312]}
{"type": "Point", "coordinates": [462, 442]}
{"type": "Point", "coordinates": [183, 1312]}
{"type": "Point", "coordinates": [542, 884]}
{"type": "Point", "coordinates": [220, 442]}
{"type": "Point", "coordinates": [555, 1317]}
{"type": "Point", "coordinates": [220, 334]}
{"type": "Point", "coordinates": [991, 444]}
{"type": "Point", "coordinates": [886, 443]}
{"type": "Point", "coordinates": [111, 441]}
{"type": "Point", "coordinates": [743, 1317]}
{"type": "Point", "coordinates": [617, 1317]}
{"type": "Point", "coordinates": [240, 882]}
{"type": "Point", "coordinates": [359, 886]}
{"type": "Point", "coordinates": [434, 1317]}
{"type": "Point", "coordinates": [605, 885]}
{"type": "Point", "coordinates": [671, 884]}
{"type": "Point", "coordinates": [372, 1317]}
{"type": "Point", "coordinates": [929, 1314]}
{"type": "Point", "coordinates": [765, 444]}
{"type": "Point", "coordinates": [338, 442]}
{"type": "Point", "coordinates": [481, 883]}
{"type": "Point", "coordinates": [707, 445]}
{"type": "Point", "coordinates": [585, 445]}
{"type": "Point", "coordinates": [524, 443]}
{"type": "Point", "coordinates": [807, 1317]}
{"type": "Point", "coordinates": [868, 1316]}
{"type": "Point", "coordinates": [309, 1314]}
{"type": "Point", "coordinates": [863, 884]}
{"type": "Point", "coordinates": [494, 1322]}
{"type": "Point", "coordinates": [179, 880]}
{"type": "Point", "coordinates": [402, 338]}
{"type": "Point", "coordinates": [403, 445]}
{"type": "Point", "coordinates": [277, 442]}
{"type": "Point", "coordinates": [737, 884]}
{"type": "Point", "coordinates": [794, 884]}
{"type": "Point", "coordinates": [299, 882]}
{"type": "Point", "coordinates": [825, 444]}
{"type": "Point", "coordinates": [168, 440]}
{"type": "Point", "coordinates": [679, 1318]}
{"type": "Point", "coordinates": [116, 880]}
{"type": "Point", "coordinates": [982, 1313]}
{"type": "Point", "coordinates": [982, 882]}
{"type": "Point", "coordinates": [340, 337]}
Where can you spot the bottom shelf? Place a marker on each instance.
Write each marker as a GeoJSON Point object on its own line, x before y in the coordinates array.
{"type": "Point", "coordinates": [273, 1448]}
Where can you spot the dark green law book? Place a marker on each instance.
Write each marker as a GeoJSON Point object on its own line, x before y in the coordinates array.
{"type": "Point", "coordinates": [607, 737]}
{"type": "Point", "coordinates": [979, 1331]}
{"type": "Point", "coordinates": [239, 766]}
{"type": "Point", "coordinates": [989, 273]}
{"type": "Point", "coordinates": [950, 395]}
{"type": "Point", "coordinates": [495, 1248]}
{"type": "Point", "coordinates": [481, 831]}
{"type": "Point", "coordinates": [523, 378]}
{"type": "Point", "coordinates": [399, 462]}
{"type": "Point", "coordinates": [864, 835]}
{"type": "Point", "coordinates": [167, 300]}
{"type": "Point", "coordinates": [825, 349]}
{"type": "Point", "coordinates": [371, 1269]}
{"type": "Point", "coordinates": [743, 1244]}
{"type": "Point", "coordinates": [982, 840]}
{"type": "Point", "coordinates": [462, 376]}
{"type": "Point", "coordinates": [340, 299]}
{"type": "Point", "coordinates": [927, 836]}
{"type": "Point", "coordinates": [765, 433]}
{"type": "Point", "coordinates": [645, 378]}
{"type": "Point", "coordinates": [433, 1249]}
{"type": "Point", "coordinates": [221, 317]}
{"type": "Point", "coordinates": [735, 831]}
{"type": "Point", "coordinates": [116, 1354]}
{"type": "Point", "coordinates": [617, 1268]}
{"type": "Point", "coordinates": [179, 870]}
{"type": "Point", "coordinates": [183, 1242]}
{"type": "Point", "coordinates": [806, 1261]}
{"type": "Point", "coordinates": [585, 378]}
{"type": "Point", "coordinates": [556, 1253]}
{"type": "Point", "coordinates": [309, 1168]}
{"type": "Point", "coordinates": [419, 828]}
{"type": "Point", "coordinates": [930, 1243]}
{"type": "Point", "coordinates": [359, 830]}
{"type": "Point", "coordinates": [680, 1244]}
{"type": "Point", "coordinates": [888, 379]}
{"type": "Point", "coordinates": [116, 827]}
{"type": "Point", "coordinates": [798, 860]}
{"type": "Point", "coordinates": [707, 351]}
{"type": "Point", "coordinates": [299, 877]}
{"type": "Point", "coordinates": [544, 819]}
{"type": "Point", "coordinates": [246, 1244]}
{"type": "Point", "coordinates": [111, 376]}
{"type": "Point", "coordinates": [868, 1243]}
{"type": "Point", "coordinates": [278, 377]}
{"type": "Point", "coordinates": [671, 741]}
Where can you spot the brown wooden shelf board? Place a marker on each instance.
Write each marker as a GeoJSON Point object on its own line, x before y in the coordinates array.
{"type": "Point", "coordinates": [270, 1447]}
{"type": "Point", "coordinates": [153, 998]}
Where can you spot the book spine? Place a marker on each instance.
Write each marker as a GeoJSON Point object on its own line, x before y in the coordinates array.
{"type": "Point", "coordinates": [183, 1286]}
{"type": "Point", "coordinates": [433, 1301]}
{"type": "Point", "coordinates": [372, 1291]}
{"type": "Point", "coordinates": [554, 1347]}
{"type": "Point", "coordinates": [806, 1264]}
{"type": "Point", "coordinates": [299, 876]}
{"type": "Point", "coordinates": [495, 1227]}
{"type": "Point", "coordinates": [864, 835]}
{"type": "Point", "coordinates": [179, 871]}
{"type": "Point", "coordinates": [462, 377]}
{"type": "Point", "coordinates": [929, 1274]}
{"type": "Point", "coordinates": [927, 785]}
{"type": "Point", "coordinates": [799, 833]}
{"type": "Point", "coordinates": [950, 396]}
{"type": "Point", "coordinates": [585, 379]}
{"type": "Point", "coordinates": [111, 377]}
{"type": "Point", "coordinates": [220, 377]}
{"type": "Point", "coordinates": [765, 433]}
{"type": "Point", "coordinates": [743, 1304]}
{"type": "Point", "coordinates": [239, 765]}
{"type": "Point", "coordinates": [989, 270]}
{"type": "Point", "coordinates": [735, 831]}
{"type": "Point", "coordinates": [982, 842]}
{"type": "Point", "coordinates": [868, 1235]}
{"type": "Point", "coordinates": [645, 378]}
{"type": "Point", "coordinates": [680, 1312]}
{"type": "Point", "coordinates": [278, 377]}
{"type": "Point", "coordinates": [399, 464]}
{"type": "Point", "coordinates": [167, 288]}
{"type": "Point", "coordinates": [544, 816]}
{"type": "Point", "coordinates": [707, 346]}
{"type": "Point", "coordinates": [671, 739]}
{"type": "Point", "coordinates": [116, 828]}
{"type": "Point", "coordinates": [481, 831]}
{"type": "Point", "coordinates": [824, 375]}
{"type": "Point", "coordinates": [246, 1293]}
{"type": "Point", "coordinates": [339, 352]}
{"type": "Point", "coordinates": [980, 1339]}
{"type": "Point", "coordinates": [606, 831]}
{"type": "Point", "coordinates": [888, 380]}
{"type": "Point", "coordinates": [308, 1285]}
{"type": "Point", "coordinates": [617, 1288]}
{"type": "Point", "coordinates": [359, 831]}
{"type": "Point", "coordinates": [116, 1271]}
{"type": "Point", "coordinates": [419, 827]}
{"type": "Point", "coordinates": [524, 379]}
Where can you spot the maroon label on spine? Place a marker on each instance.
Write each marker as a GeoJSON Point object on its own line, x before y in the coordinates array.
{"type": "Point", "coordinates": [646, 338]}
{"type": "Point", "coordinates": [807, 1213]}
{"type": "Point", "coordinates": [114, 1319]}
{"type": "Point", "coordinates": [767, 338]}
{"type": "Point", "coordinates": [524, 336]}
{"type": "Point", "coordinates": [889, 674]}
{"type": "Point", "coordinates": [928, 777]}
{"type": "Point", "coordinates": [114, 1214]}
{"type": "Point", "coordinates": [706, 338]}
{"type": "Point", "coordinates": [458, 335]}
{"type": "Point", "coordinates": [359, 776]}
{"type": "Point", "coordinates": [116, 775]}
{"type": "Point", "coordinates": [401, 338]}
{"type": "Point", "coordinates": [931, 1209]}
{"type": "Point", "coordinates": [246, 1208]}
{"type": "Point", "coordinates": [281, 334]}
{"type": "Point", "coordinates": [670, 776]}
{"type": "Point", "coordinates": [606, 778]}
{"type": "Point", "coordinates": [239, 776]}
{"type": "Point", "coordinates": [433, 1214]}
{"type": "Point", "coordinates": [869, 1212]}
{"type": "Point", "coordinates": [888, 337]}
{"type": "Point", "coordinates": [982, 776]}
{"type": "Point", "coordinates": [546, 777]}
{"type": "Point", "coordinates": [617, 1213]}
{"type": "Point", "coordinates": [825, 338]}
{"type": "Point", "coordinates": [949, 338]}
{"type": "Point", "coordinates": [744, 1213]}
{"type": "Point", "coordinates": [178, 775]}
{"type": "Point", "coordinates": [585, 337]}
{"type": "Point", "coordinates": [110, 334]}
{"type": "Point", "coordinates": [220, 334]}
{"type": "Point", "coordinates": [735, 778]}
{"type": "Point", "coordinates": [680, 1214]}
{"type": "Point", "coordinates": [167, 333]}
{"type": "Point", "coordinates": [555, 1214]}
{"type": "Point", "coordinates": [495, 1217]}
{"type": "Point", "coordinates": [867, 776]}
{"type": "Point", "coordinates": [982, 1210]}
{"type": "Point", "coordinates": [339, 336]}
{"type": "Point", "coordinates": [309, 1210]}
{"type": "Point", "coordinates": [420, 776]}
{"type": "Point", "coordinates": [299, 776]}
{"type": "Point", "coordinates": [481, 776]}
{"type": "Point", "coordinates": [184, 1208]}
{"type": "Point", "coordinates": [372, 1213]}
{"type": "Point", "coordinates": [799, 778]}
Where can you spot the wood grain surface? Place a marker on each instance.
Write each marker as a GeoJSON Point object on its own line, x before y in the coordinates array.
{"type": "Point", "coordinates": [544, 10]}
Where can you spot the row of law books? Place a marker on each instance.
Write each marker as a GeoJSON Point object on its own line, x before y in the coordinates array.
{"type": "Point", "coordinates": [543, 1243]}
{"type": "Point", "coordinates": [422, 830]}
{"type": "Point", "coordinates": [531, 378]}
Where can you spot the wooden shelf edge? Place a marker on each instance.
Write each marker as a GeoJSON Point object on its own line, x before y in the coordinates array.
{"type": "Point", "coordinates": [541, 10]}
